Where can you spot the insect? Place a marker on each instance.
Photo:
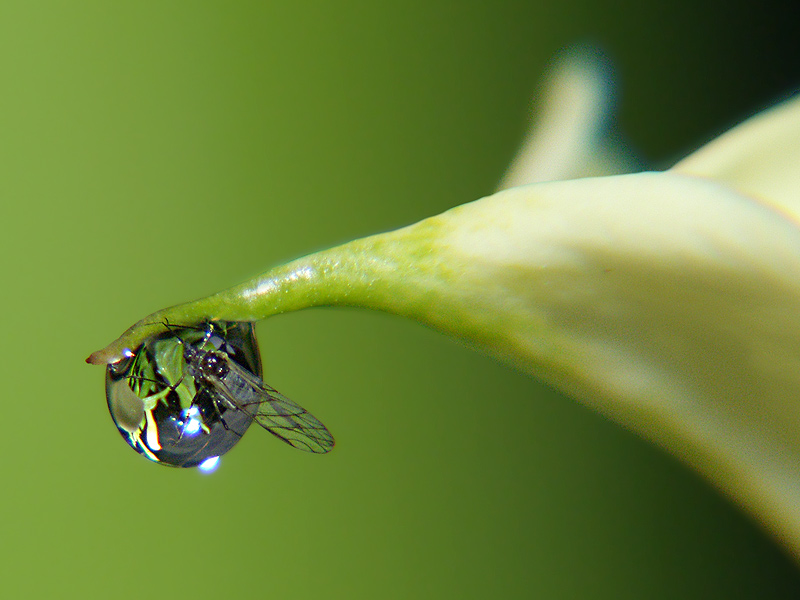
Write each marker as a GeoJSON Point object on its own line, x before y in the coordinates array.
{"type": "Point", "coordinates": [187, 396]}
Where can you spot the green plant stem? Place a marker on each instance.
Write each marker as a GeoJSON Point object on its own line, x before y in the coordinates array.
{"type": "Point", "coordinates": [341, 276]}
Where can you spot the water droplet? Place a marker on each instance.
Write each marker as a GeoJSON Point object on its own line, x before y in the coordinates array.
{"type": "Point", "coordinates": [167, 416]}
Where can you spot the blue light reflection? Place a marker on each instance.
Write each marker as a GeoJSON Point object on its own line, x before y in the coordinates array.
{"type": "Point", "coordinates": [209, 465]}
{"type": "Point", "coordinates": [192, 422]}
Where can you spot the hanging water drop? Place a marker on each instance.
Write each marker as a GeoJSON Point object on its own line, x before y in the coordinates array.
{"type": "Point", "coordinates": [164, 412]}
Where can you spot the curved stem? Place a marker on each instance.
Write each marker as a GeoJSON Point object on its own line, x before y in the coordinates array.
{"type": "Point", "coordinates": [341, 276]}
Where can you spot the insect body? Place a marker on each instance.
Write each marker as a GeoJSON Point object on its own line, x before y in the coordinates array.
{"type": "Point", "coordinates": [239, 389]}
{"type": "Point", "coordinates": [189, 395]}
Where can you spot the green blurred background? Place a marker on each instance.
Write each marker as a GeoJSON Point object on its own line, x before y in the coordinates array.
{"type": "Point", "coordinates": [154, 152]}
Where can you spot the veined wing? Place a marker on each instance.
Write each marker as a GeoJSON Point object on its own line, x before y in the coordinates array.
{"type": "Point", "coordinates": [276, 413]}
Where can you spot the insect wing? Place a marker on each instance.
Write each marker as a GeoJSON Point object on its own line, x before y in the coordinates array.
{"type": "Point", "coordinates": [282, 417]}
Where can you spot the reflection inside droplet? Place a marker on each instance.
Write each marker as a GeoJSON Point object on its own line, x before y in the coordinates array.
{"type": "Point", "coordinates": [191, 421]}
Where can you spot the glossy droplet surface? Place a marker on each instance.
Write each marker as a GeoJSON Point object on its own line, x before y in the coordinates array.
{"type": "Point", "coordinates": [166, 415]}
